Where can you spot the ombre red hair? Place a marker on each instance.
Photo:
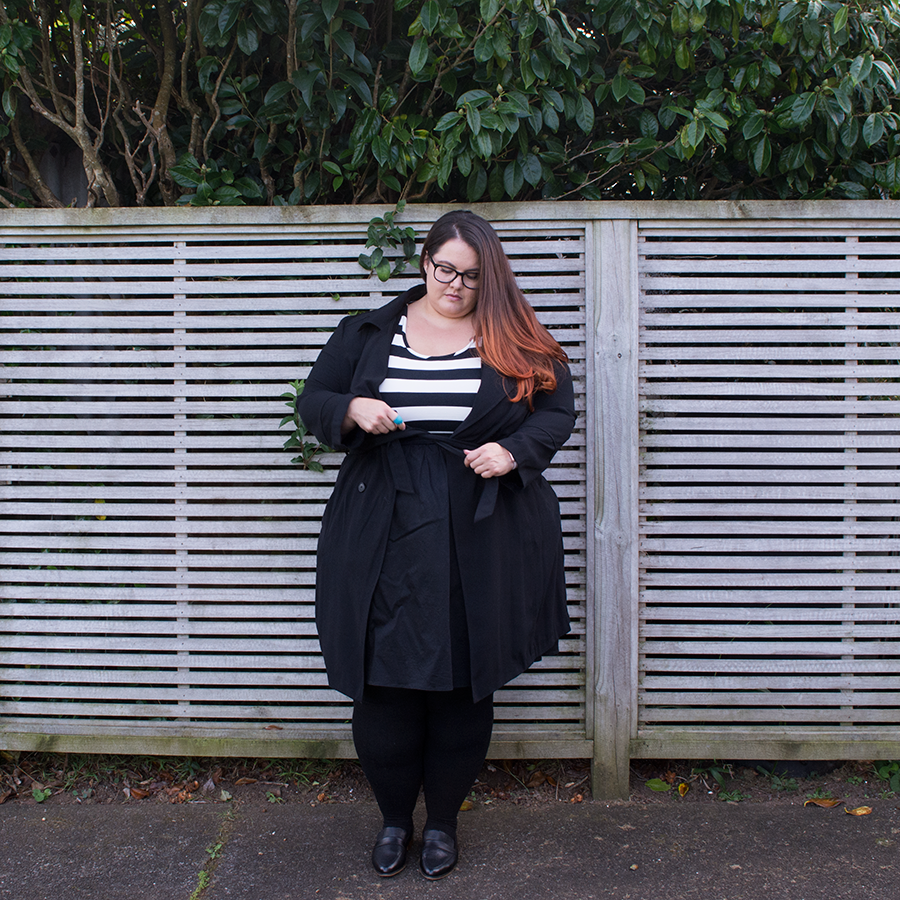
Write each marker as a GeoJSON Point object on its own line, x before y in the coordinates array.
{"type": "Point", "coordinates": [508, 336]}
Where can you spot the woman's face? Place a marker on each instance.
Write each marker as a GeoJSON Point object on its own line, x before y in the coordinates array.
{"type": "Point", "coordinates": [447, 292]}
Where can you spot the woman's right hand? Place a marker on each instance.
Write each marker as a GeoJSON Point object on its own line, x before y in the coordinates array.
{"type": "Point", "coordinates": [373, 416]}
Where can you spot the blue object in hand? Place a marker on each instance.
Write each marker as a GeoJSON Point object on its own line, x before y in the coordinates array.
{"type": "Point", "coordinates": [398, 420]}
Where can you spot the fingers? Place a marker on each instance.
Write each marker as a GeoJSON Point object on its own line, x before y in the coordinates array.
{"type": "Point", "coordinates": [374, 416]}
{"type": "Point", "coordinates": [489, 460]}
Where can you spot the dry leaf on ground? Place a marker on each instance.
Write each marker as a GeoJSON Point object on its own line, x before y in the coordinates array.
{"type": "Point", "coordinates": [858, 811]}
{"type": "Point", "coordinates": [824, 802]}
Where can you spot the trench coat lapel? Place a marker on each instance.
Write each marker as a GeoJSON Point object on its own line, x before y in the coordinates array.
{"type": "Point", "coordinates": [491, 394]}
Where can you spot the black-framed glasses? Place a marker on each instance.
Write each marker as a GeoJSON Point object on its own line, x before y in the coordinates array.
{"type": "Point", "coordinates": [446, 274]}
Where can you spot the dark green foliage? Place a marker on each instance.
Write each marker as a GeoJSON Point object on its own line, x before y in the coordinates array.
{"type": "Point", "coordinates": [345, 101]}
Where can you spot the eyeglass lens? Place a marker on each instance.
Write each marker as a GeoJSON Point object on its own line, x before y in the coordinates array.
{"type": "Point", "coordinates": [446, 274]}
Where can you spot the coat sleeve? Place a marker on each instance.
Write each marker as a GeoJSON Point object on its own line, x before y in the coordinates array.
{"type": "Point", "coordinates": [543, 432]}
{"type": "Point", "coordinates": [326, 394]}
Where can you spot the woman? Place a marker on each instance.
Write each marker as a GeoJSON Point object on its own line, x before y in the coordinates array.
{"type": "Point", "coordinates": [440, 563]}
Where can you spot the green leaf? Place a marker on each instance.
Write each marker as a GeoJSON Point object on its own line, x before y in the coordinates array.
{"type": "Point", "coordinates": [448, 120]}
{"type": "Point", "coordinates": [794, 157]}
{"type": "Point", "coordinates": [531, 169]}
{"type": "Point", "coordinates": [873, 129]}
{"type": "Point", "coordinates": [557, 45]}
{"type": "Point", "coordinates": [584, 114]}
{"type": "Point", "coordinates": [359, 84]}
{"type": "Point", "coordinates": [76, 8]}
{"type": "Point", "coordinates": [649, 125]}
{"type": "Point", "coordinates": [484, 146]}
{"type": "Point", "coordinates": [620, 86]}
{"type": "Point", "coordinates": [753, 125]}
{"type": "Point", "coordinates": [840, 18]}
{"type": "Point", "coordinates": [9, 106]}
{"type": "Point", "coordinates": [249, 188]}
{"type": "Point", "coordinates": [693, 133]}
{"type": "Point", "coordinates": [484, 48]}
{"type": "Point", "coordinates": [680, 19]}
{"type": "Point", "coordinates": [683, 55]}
{"type": "Point", "coordinates": [344, 40]}
{"type": "Point", "coordinates": [329, 8]}
{"type": "Point", "coordinates": [476, 184]}
{"type": "Point", "coordinates": [802, 108]}
{"type": "Point", "coordinates": [782, 33]}
{"type": "Point", "coordinates": [381, 149]}
{"type": "Point", "coordinates": [303, 80]}
{"type": "Point", "coordinates": [636, 93]}
{"type": "Point", "coordinates": [277, 91]}
{"type": "Point", "coordinates": [657, 784]}
{"type": "Point", "coordinates": [231, 9]}
{"type": "Point", "coordinates": [860, 68]}
{"type": "Point", "coordinates": [489, 9]}
{"type": "Point", "coordinates": [247, 37]}
{"type": "Point", "coordinates": [337, 100]}
{"type": "Point", "coordinates": [430, 16]}
{"type": "Point", "coordinates": [418, 55]}
{"type": "Point", "coordinates": [473, 118]}
{"type": "Point", "coordinates": [762, 155]}
{"type": "Point", "coordinates": [265, 16]}
{"type": "Point", "coordinates": [513, 179]}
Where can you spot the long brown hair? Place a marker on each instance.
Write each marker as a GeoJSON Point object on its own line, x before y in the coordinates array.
{"type": "Point", "coordinates": [508, 336]}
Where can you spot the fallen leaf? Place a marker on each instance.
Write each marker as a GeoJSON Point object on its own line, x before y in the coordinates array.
{"type": "Point", "coordinates": [466, 806]}
{"type": "Point", "coordinates": [139, 793]}
{"type": "Point", "coordinates": [224, 795]}
{"type": "Point", "coordinates": [578, 798]}
{"type": "Point", "coordinates": [859, 811]}
{"type": "Point", "coordinates": [538, 778]}
{"type": "Point", "coordinates": [321, 798]}
{"type": "Point", "coordinates": [246, 781]}
{"type": "Point", "coordinates": [657, 784]}
{"type": "Point", "coordinates": [669, 777]}
{"type": "Point", "coordinates": [273, 728]}
{"type": "Point", "coordinates": [634, 868]}
{"type": "Point", "coordinates": [825, 803]}
{"type": "Point", "coordinates": [6, 795]}
{"type": "Point", "coordinates": [683, 788]}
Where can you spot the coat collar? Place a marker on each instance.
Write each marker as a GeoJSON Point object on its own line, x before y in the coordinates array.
{"type": "Point", "coordinates": [494, 387]}
{"type": "Point", "coordinates": [386, 316]}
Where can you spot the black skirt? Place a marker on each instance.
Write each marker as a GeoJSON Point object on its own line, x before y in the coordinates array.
{"type": "Point", "coordinates": [417, 636]}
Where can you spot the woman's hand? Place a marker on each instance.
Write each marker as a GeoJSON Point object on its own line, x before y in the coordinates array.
{"type": "Point", "coordinates": [490, 460]}
{"type": "Point", "coordinates": [373, 416]}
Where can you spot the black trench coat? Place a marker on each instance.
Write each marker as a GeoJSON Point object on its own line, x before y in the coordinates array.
{"type": "Point", "coordinates": [507, 530]}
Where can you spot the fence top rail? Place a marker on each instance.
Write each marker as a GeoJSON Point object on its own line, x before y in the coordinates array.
{"type": "Point", "coordinates": [539, 215]}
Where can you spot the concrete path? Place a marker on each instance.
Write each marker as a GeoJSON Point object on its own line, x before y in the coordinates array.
{"type": "Point", "coordinates": [588, 851]}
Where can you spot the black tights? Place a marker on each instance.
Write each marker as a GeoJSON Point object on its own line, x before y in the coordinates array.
{"type": "Point", "coordinates": [406, 739]}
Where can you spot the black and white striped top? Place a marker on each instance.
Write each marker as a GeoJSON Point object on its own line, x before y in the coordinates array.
{"type": "Point", "coordinates": [434, 393]}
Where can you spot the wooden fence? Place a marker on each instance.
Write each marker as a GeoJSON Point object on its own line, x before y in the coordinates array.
{"type": "Point", "coordinates": [729, 495]}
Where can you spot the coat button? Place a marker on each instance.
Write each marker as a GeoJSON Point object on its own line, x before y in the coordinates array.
{"type": "Point", "coordinates": [361, 487]}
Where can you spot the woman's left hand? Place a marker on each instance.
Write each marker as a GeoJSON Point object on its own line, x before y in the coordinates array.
{"type": "Point", "coordinates": [489, 460]}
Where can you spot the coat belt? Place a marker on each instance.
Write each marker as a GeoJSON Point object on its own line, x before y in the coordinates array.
{"type": "Point", "coordinates": [399, 469]}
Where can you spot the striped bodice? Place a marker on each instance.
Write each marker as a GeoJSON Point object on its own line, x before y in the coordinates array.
{"type": "Point", "coordinates": [434, 393]}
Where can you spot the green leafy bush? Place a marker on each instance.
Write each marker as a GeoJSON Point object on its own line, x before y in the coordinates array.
{"type": "Point", "coordinates": [347, 101]}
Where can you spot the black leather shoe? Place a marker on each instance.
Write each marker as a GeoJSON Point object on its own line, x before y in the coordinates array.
{"type": "Point", "coordinates": [439, 854]}
{"type": "Point", "coordinates": [389, 852]}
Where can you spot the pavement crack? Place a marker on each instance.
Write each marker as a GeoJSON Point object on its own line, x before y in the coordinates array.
{"type": "Point", "coordinates": [214, 854]}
